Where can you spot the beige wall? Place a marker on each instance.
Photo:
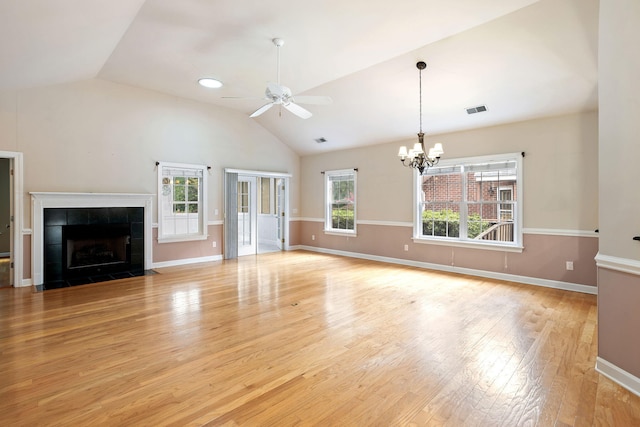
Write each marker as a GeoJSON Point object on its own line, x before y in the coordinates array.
{"type": "Point", "coordinates": [97, 136]}
{"type": "Point", "coordinates": [8, 119]}
{"type": "Point", "coordinates": [560, 200]}
{"type": "Point", "coordinates": [560, 172]}
{"type": "Point", "coordinates": [383, 184]}
{"type": "Point", "coordinates": [619, 91]}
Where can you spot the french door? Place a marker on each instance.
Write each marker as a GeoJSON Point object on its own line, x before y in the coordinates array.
{"type": "Point", "coordinates": [247, 223]}
{"type": "Point", "coordinates": [256, 205]}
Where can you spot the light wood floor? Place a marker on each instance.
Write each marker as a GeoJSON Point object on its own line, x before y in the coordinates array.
{"type": "Point", "coordinates": [304, 339]}
{"type": "Point", "coordinates": [5, 272]}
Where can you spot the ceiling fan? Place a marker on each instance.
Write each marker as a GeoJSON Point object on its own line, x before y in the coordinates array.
{"type": "Point", "coordinates": [278, 94]}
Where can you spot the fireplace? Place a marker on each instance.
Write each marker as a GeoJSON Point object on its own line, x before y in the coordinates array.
{"type": "Point", "coordinates": [87, 245]}
{"type": "Point", "coordinates": [81, 238]}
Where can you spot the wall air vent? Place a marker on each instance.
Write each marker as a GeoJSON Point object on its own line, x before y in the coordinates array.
{"type": "Point", "coordinates": [478, 109]}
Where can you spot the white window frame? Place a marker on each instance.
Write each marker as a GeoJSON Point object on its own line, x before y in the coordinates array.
{"type": "Point", "coordinates": [328, 223]}
{"type": "Point", "coordinates": [515, 246]}
{"type": "Point", "coordinates": [164, 234]}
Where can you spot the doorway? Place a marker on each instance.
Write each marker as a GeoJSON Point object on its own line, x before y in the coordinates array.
{"type": "Point", "coordinates": [6, 275]}
{"type": "Point", "coordinates": [10, 219]}
{"type": "Point", "coordinates": [270, 214]}
{"type": "Point", "coordinates": [255, 212]}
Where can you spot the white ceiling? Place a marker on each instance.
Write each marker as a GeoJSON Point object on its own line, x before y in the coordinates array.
{"type": "Point", "coordinates": [522, 58]}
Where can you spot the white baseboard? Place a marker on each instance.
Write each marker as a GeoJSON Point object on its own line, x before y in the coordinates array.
{"type": "Point", "coordinates": [567, 286]}
{"type": "Point", "coordinates": [618, 375]}
{"type": "Point", "coordinates": [24, 283]}
{"type": "Point", "coordinates": [187, 261]}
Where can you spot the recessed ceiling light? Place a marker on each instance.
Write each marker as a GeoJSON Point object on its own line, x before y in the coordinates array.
{"type": "Point", "coordinates": [210, 83]}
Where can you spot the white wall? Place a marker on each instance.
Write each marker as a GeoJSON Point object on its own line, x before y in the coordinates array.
{"type": "Point", "coordinates": [97, 136]}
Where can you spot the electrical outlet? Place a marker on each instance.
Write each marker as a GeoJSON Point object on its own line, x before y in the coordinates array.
{"type": "Point", "coordinates": [406, 247]}
{"type": "Point", "coordinates": [215, 244]}
{"type": "Point", "coordinates": [569, 265]}
{"type": "Point", "coordinates": [313, 237]}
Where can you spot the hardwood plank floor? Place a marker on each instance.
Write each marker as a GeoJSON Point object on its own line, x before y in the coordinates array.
{"type": "Point", "coordinates": [5, 279]}
{"type": "Point", "coordinates": [297, 338]}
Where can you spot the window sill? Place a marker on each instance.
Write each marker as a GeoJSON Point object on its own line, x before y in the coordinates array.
{"type": "Point", "coordinates": [470, 245]}
{"type": "Point", "coordinates": [183, 238]}
{"type": "Point", "coordinates": [341, 233]}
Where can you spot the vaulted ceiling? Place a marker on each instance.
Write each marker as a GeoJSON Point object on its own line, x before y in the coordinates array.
{"type": "Point", "coordinates": [523, 59]}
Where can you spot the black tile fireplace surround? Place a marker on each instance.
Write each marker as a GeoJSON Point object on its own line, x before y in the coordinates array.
{"type": "Point", "coordinates": [89, 245]}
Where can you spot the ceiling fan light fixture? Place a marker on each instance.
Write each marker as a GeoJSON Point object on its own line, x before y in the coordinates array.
{"type": "Point", "coordinates": [278, 94]}
{"type": "Point", "coordinates": [210, 83]}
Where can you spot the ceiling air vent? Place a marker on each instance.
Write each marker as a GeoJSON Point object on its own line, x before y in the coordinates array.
{"type": "Point", "coordinates": [320, 140]}
{"type": "Point", "coordinates": [478, 109]}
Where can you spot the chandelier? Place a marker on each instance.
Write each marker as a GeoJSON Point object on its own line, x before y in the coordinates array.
{"type": "Point", "coordinates": [416, 157]}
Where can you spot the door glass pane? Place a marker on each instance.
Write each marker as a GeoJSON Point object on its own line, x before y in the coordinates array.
{"type": "Point", "coordinates": [265, 195]}
{"type": "Point", "coordinates": [244, 219]}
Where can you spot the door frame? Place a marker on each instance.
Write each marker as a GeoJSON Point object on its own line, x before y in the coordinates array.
{"type": "Point", "coordinates": [17, 252]}
{"type": "Point", "coordinates": [258, 174]}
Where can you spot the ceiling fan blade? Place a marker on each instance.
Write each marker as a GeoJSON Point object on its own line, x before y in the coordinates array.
{"type": "Point", "coordinates": [313, 100]}
{"type": "Point", "coordinates": [298, 110]}
{"type": "Point", "coordinates": [243, 97]}
{"type": "Point", "coordinates": [262, 109]}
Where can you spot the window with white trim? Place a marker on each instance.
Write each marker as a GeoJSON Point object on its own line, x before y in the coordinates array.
{"type": "Point", "coordinates": [340, 201]}
{"type": "Point", "coordinates": [475, 201]}
{"type": "Point", "coordinates": [182, 208]}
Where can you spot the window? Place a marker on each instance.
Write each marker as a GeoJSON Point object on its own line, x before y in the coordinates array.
{"type": "Point", "coordinates": [472, 201]}
{"type": "Point", "coordinates": [181, 202]}
{"type": "Point", "coordinates": [340, 201]}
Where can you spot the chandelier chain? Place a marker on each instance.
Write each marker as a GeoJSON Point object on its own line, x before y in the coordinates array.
{"type": "Point", "coordinates": [420, 101]}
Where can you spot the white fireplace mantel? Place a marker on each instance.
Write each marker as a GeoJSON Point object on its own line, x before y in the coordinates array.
{"type": "Point", "coordinates": [41, 201]}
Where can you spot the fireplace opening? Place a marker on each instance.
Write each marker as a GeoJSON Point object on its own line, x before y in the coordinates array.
{"type": "Point", "coordinates": [90, 245]}
{"type": "Point", "coordinates": [95, 249]}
